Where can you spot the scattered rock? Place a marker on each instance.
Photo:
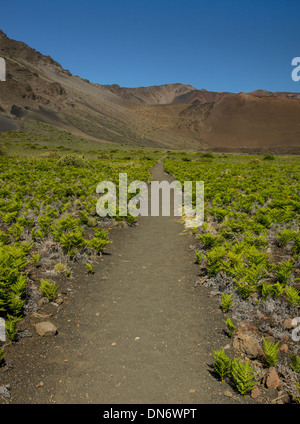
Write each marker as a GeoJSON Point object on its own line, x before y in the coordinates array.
{"type": "Point", "coordinates": [282, 398]}
{"type": "Point", "coordinates": [284, 348]}
{"type": "Point", "coordinates": [272, 394]}
{"type": "Point", "coordinates": [228, 394]}
{"type": "Point", "coordinates": [36, 315]}
{"type": "Point", "coordinates": [55, 256]}
{"type": "Point", "coordinates": [285, 338]}
{"type": "Point", "coordinates": [258, 363]}
{"type": "Point", "coordinates": [40, 384]}
{"type": "Point", "coordinates": [200, 281]}
{"type": "Point", "coordinates": [8, 365]}
{"type": "Point", "coordinates": [287, 323]}
{"type": "Point", "coordinates": [43, 301]}
{"type": "Point", "coordinates": [247, 345]}
{"type": "Point", "coordinates": [45, 329]}
{"type": "Point", "coordinates": [59, 300]}
{"type": "Point", "coordinates": [213, 294]}
{"type": "Point", "coordinates": [4, 391]}
{"type": "Point", "coordinates": [24, 333]}
{"type": "Point", "coordinates": [272, 379]}
{"type": "Point", "coordinates": [245, 326]}
{"type": "Point", "coordinates": [255, 393]}
{"type": "Point", "coordinates": [269, 338]}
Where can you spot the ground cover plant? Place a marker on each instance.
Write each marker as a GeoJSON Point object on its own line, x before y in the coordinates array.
{"type": "Point", "coordinates": [48, 204]}
{"type": "Point", "coordinates": [248, 247]}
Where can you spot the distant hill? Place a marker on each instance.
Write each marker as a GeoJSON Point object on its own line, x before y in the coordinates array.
{"type": "Point", "coordinates": [170, 115]}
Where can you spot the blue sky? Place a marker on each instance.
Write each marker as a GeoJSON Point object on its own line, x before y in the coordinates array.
{"type": "Point", "coordinates": [228, 45]}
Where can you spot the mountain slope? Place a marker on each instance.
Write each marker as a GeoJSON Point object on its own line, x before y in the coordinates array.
{"type": "Point", "coordinates": [169, 116]}
{"type": "Point", "coordinates": [245, 120]}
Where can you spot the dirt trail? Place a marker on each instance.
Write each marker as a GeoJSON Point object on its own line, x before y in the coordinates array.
{"type": "Point", "coordinates": [137, 330]}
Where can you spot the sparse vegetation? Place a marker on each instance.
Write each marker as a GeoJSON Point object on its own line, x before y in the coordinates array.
{"type": "Point", "coordinates": [90, 268]}
{"type": "Point", "coordinates": [227, 301]}
{"type": "Point", "coordinates": [243, 375]}
{"type": "Point", "coordinates": [231, 327]}
{"type": "Point", "coordinates": [295, 363]}
{"type": "Point", "coordinates": [222, 364]}
{"type": "Point", "coordinates": [271, 352]}
{"type": "Point", "coordinates": [250, 246]}
{"type": "Point", "coordinates": [49, 290]}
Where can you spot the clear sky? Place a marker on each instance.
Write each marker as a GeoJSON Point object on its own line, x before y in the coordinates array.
{"type": "Point", "coordinates": [219, 45]}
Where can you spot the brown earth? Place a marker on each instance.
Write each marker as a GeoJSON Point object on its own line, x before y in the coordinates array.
{"type": "Point", "coordinates": [169, 116]}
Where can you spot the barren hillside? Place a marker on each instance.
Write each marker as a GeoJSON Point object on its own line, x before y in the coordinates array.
{"type": "Point", "coordinates": [170, 115]}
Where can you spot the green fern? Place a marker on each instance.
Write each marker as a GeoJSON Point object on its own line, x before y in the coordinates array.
{"type": "Point", "coordinates": [271, 352]}
{"type": "Point", "coordinates": [227, 302]}
{"type": "Point", "coordinates": [10, 326]}
{"type": "Point", "coordinates": [48, 290]}
{"type": "Point", "coordinates": [266, 290]}
{"type": "Point", "coordinates": [293, 295]}
{"type": "Point", "coordinates": [243, 376]}
{"type": "Point", "coordinates": [198, 257]}
{"type": "Point", "coordinates": [296, 398]}
{"type": "Point", "coordinates": [285, 236]}
{"type": "Point", "coordinates": [277, 289]}
{"type": "Point", "coordinates": [246, 290]}
{"type": "Point", "coordinates": [231, 327]}
{"type": "Point", "coordinates": [222, 363]}
{"type": "Point", "coordinates": [90, 268]}
{"type": "Point", "coordinates": [98, 244]}
{"type": "Point", "coordinates": [295, 363]}
{"type": "Point", "coordinates": [214, 260]}
{"type": "Point", "coordinates": [283, 272]}
{"type": "Point", "coordinates": [36, 259]}
{"type": "Point", "coordinates": [209, 241]}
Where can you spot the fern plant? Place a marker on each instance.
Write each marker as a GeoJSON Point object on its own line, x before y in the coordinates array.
{"type": "Point", "coordinates": [198, 257]}
{"type": "Point", "coordinates": [283, 272]}
{"type": "Point", "coordinates": [98, 244]}
{"type": "Point", "coordinates": [36, 259]}
{"type": "Point", "coordinates": [245, 289]}
{"type": "Point", "coordinates": [295, 363]}
{"type": "Point", "coordinates": [296, 398]}
{"type": "Point", "coordinates": [271, 352]}
{"type": "Point", "coordinates": [227, 301]}
{"type": "Point", "coordinates": [243, 376]}
{"type": "Point", "coordinates": [285, 236]}
{"type": "Point", "coordinates": [231, 327]}
{"type": "Point", "coordinates": [10, 326]}
{"type": "Point", "coordinates": [101, 233]}
{"type": "Point", "coordinates": [209, 241]}
{"type": "Point", "coordinates": [277, 289]}
{"type": "Point", "coordinates": [16, 231]}
{"type": "Point", "coordinates": [214, 260]}
{"type": "Point", "coordinates": [296, 247]}
{"type": "Point", "coordinates": [293, 296]}
{"type": "Point", "coordinates": [90, 268]}
{"type": "Point", "coordinates": [48, 290]}
{"type": "Point", "coordinates": [266, 290]}
{"type": "Point", "coordinates": [222, 363]}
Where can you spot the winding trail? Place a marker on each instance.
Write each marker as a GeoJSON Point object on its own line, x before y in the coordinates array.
{"type": "Point", "coordinates": [138, 331]}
